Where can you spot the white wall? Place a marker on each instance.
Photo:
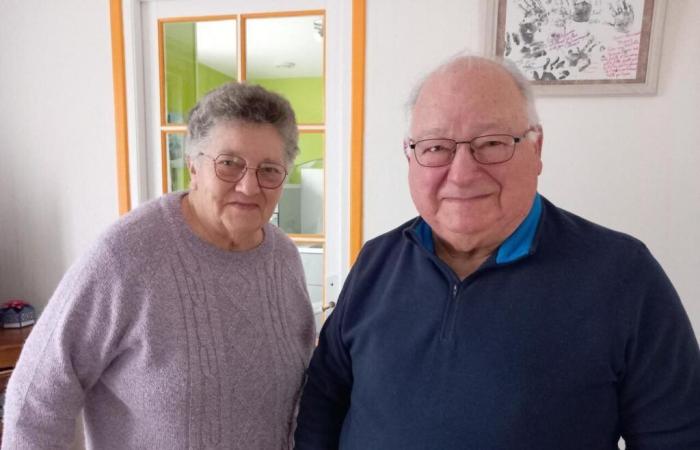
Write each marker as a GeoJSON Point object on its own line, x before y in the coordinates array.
{"type": "Point", "coordinates": [625, 162]}
{"type": "Point", "coordinates": [57, 145]}
{"type": "Point", "coordinates": [629, 163]}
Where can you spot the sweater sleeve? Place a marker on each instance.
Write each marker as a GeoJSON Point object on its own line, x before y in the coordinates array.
{"type": "Point", "coordinates": [75, 338]}
{"type": "Point", "coordinates": [660, 390]}
{"type": "Point", "coordinates": [326, 396]}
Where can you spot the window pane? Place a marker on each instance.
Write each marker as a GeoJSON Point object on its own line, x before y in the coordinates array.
{"type": "Point", "coordinates": [199, 56]}
{"type": "Point", "coordinates": [300, 210]}
{"type": "Point", "coordinates": [217, 61]}
{"type": "Point", "coordinates": [178, 175]}
{"type": "Point", "coordinates": [285, 55]}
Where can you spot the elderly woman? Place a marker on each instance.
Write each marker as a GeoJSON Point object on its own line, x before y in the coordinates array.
{"type": "Point", "coordinates": [188, 325]}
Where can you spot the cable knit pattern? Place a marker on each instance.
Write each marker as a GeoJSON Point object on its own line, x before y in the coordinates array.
{"type": "Point", "coordinates": [167, 342]}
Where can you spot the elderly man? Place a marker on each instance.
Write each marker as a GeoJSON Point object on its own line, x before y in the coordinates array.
{"type": "Point", "coordinates": [496, 320]}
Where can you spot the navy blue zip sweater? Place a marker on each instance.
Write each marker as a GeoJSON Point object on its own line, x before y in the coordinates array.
{"type": "Point", "coordinates": [568, 337]}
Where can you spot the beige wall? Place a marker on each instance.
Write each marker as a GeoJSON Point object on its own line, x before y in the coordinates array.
{"type": "Point", "coordinates": [626, 162]}
{"type": "Point", "coordinates": [57, 151]}
{"type": "Point", "coordinates": [629, 163]}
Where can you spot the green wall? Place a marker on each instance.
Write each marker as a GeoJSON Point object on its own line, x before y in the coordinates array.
{"type": "Point", "coordinates": [187, 81]}
{"type": "Point", "coordinates": [179, 70]}
{"type": "Point", "coordinates": [306, 97]}
{"type": "Point", "coordinates": [208, 79]}
{"type": "Point", "coordinates": [310, 154]}
{"type": "Point", "coordinates": [304, 93]}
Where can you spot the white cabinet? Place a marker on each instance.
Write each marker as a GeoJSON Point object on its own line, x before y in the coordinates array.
{"type": "Point", "coordinates": [312, 260]}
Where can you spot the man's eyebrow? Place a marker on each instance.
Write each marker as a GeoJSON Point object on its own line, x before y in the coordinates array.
{"type": "Point", "coordinates": [432, 131]}
{"type": "Point", "coordinates": [485, 127]}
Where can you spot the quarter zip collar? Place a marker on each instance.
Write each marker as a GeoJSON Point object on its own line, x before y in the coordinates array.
{"type": "Point", "coordinates": [518, 245]}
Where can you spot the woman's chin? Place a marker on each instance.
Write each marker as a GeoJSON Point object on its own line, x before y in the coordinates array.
{"type": "Point", "coordinates": [243, 222]}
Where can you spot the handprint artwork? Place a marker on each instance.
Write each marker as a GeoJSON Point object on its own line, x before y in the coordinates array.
{"type": "Point", "coordinates": [623, 16]}
{"type": "Point", "coordinates": [574, 40]}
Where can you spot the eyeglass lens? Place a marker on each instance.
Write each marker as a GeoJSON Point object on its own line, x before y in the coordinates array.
{"type": "Point", "coordinates": [232, 169]}
{"type": "Point", "coordinates": [485, 149]}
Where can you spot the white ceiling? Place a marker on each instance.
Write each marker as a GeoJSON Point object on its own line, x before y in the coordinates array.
{"type": "Point", "coordinates": [277, 47]}
{"type": "Point", "coordinates": [216, 45]}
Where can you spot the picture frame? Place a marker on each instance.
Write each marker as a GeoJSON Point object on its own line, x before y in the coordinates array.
{"type": "Point", "coordinates": [581, 47]}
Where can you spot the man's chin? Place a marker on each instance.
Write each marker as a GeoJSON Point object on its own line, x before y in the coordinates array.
{"type": "Point", "coordinates": [461, 227]}
{"type": "Point", "coordinates": [467, 220]}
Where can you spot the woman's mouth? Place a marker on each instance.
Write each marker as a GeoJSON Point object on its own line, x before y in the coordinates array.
{"type": "Point", "coordinates": [244, 205]}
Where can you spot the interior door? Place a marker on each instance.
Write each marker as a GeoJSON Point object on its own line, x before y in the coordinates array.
{"type": "Point", "coordinates": [298, 48]}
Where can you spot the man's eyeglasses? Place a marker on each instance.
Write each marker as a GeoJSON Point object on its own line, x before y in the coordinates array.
{"type": "Point", "coordinates": [232, 168]}
{"type": "Point", "coordinates": [490, 149]}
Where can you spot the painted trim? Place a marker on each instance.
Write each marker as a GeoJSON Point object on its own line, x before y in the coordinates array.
{"type": "Point", "coordinates": [174, 128]}
{"type": "Point", "coordinates": [164, 168]}
{"type": "Point", "coordinates": [120, 123]}
{"type": "Point", "coordinates": [308, 238]}
{"type": "Point", "coordinates": [311, 128]}
{"type": "Point", "coordinates": [161, 70]}
{"type": "Point", "coordinates": [243, 48]}
{"type": "Point", "coordinates": [163, 120]}
{"type": "Point", "coordinates": [357, 113]}
{"type": "Point", "coordinates": [273, 14]}
{"type": "Point", "coordinates": [324, 36]}
{"type": "Point", "coordinates": [207, 18]}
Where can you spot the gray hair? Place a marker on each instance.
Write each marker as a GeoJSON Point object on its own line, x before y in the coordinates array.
{"type": "Point", "coordinates": [469, 61]}
{"type": "Point", "coordinates": [246, 103]}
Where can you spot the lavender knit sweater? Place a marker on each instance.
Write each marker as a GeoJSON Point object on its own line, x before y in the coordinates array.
{"type": "Point", "coordinates": [167, 342]}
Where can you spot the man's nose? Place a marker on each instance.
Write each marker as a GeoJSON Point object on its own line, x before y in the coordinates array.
{"type": "Point", "coordinates": [463, 164]}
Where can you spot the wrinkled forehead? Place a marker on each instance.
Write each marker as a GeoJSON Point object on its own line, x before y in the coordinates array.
{"type": "Point", "coordinates": [460, 96]}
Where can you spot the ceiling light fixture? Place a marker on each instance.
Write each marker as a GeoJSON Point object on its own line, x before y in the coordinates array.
{"type": "Point", "coordinates": [318, 29]}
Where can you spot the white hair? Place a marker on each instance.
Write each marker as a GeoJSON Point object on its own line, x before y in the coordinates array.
{"type": "Point", "coordinates": [470, 60]}
{"type": "Point", "coordinates": [246, 103]}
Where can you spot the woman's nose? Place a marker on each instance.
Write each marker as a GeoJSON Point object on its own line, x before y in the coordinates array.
{"type": "Point", "coordinates": [249, 183]}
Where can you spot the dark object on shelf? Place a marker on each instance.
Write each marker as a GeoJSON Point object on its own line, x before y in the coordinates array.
{"type": "Point", "coordinates": [17, 314]}
{"type": "Point", "coordinates": [11, 341]}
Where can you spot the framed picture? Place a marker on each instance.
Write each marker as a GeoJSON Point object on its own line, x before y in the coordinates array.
{"type": "Point", "coordinates": [582, 47]}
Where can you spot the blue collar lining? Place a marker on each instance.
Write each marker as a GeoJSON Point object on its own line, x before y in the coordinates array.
{"type": "Point", "coordinates": [517, 245]}
{"type": "Point", "coordinates": [425, 235]}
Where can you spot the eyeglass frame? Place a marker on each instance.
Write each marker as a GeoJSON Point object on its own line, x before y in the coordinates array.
{"type": "Point", "coordinates": [516, 140]}
{"type": "Point", "coordinates": [245, 170]}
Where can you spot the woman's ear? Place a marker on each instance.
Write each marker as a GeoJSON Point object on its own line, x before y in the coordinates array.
{"type": "Point", "coordinates": [192, 169]}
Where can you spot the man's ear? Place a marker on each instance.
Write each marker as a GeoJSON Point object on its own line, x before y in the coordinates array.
{"type": "Point", "coordinates": [539, 141]}
{"type": "Point", "coordinates": [406, 149]}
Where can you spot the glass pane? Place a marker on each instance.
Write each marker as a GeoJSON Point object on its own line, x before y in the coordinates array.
{"type": "Point", "coordinates": [199, 56]}
{"type": "Point", "coordinates": [178, 175]}
{"type": "Point", "coordinates": [312, 260]}
{"type": "Point", "coordinates": [285, 55]}
{"type": "Point", "coordinates": [300, 210]}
